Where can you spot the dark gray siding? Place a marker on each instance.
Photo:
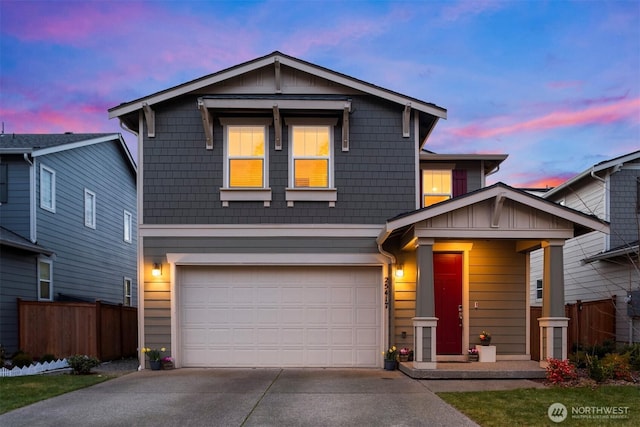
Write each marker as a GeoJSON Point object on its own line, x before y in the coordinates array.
{"type": "Point", "coordinates": [15, 214]}
{"type": "Point", "coordinates": [90, 263]}
{"type": "Point", "coordinates": [375, 180]}
{"type": "Point", "coordinates": [623, 208]}
{"type": "Point", "coordinates": [18, 279]}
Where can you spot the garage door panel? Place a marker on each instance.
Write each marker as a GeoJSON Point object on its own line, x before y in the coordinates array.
{"type": "Point", "coordinates": [280, 316]}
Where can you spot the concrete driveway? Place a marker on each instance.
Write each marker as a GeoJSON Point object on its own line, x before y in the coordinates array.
{"type": "Point", "coordinates": [246, 397]}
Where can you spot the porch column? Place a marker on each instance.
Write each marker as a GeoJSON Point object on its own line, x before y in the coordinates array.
{"type": "Point", "coordinates": [553, 323]}
{"type": "Point", "coordinates": [424, 324]}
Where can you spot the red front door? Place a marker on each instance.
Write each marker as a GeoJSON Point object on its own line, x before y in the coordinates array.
{"type": "Point", "coordinates": [447, 277]}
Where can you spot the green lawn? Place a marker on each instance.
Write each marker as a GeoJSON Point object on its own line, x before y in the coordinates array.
{"type": "Point", "coordinates": [528, 407]}
{"type": "Point", "coordinates": [21, 391]}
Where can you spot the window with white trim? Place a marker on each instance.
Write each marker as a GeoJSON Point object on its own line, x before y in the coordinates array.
{"type": "Point", "coordinates": [47, 189]}
{"type": "Point", "coordinates": [436, 186]}
{"type": "Point", "coordinates": [45, 279]}
{"type": "Point", "coordinates": [246, 156]}
{"type": "Point", "coordinates": [128, 226]}
{"type": "Point", "coordinates": [89, 208]}
{"type": "Point", "coordinates": [127, 291]}
{"type": "Point", "coordinates": [539, 289]}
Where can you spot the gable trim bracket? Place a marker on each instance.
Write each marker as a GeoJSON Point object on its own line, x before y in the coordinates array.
{"type": "Point", "coordinates": [345, 128]}
{"type": "Point", "coordinates": [497, 210]}
{"type": "Point", "coordinates": [406, 116]}
{"type": "Point", "coordinates": [278, 79]}
{"type": "Point", "coordinates": [150, 118]}
{"type": "Point", "coordinates": [207, 124]}
{"type": "Point", "coordinates": [277, 127]}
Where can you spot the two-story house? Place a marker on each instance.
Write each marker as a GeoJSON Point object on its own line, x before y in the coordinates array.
{"type": "Point", "coordinates": [290, 216]}
{"type": "Point", "coordinates": [599, 266]}
{"type": "Point", "coordinates": [68, 222]}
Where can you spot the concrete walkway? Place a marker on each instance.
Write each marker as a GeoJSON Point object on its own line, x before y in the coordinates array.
{"type": "Point", "coordinates": [246, 397]}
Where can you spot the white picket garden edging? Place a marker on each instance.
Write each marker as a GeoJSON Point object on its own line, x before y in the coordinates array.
{"type": "Point", "coordinates": [34, 369]}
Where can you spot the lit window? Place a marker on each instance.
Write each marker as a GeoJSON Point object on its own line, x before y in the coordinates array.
{"type": "Point", "coordinates": [89, 209]}
{"type": "Point", "coordinates": [127, 291]}
{"type": "Point", "coordinates": [311, 156]}
{"type": "Point", "coordinates": [246, 156]}
{"type": "Point", "coordinates": [47, 188]}
{"type": "Point", "coordinates": [45, 280]}
{"type": "Point", "coordinates": [436, 186]}
{"type": "Point", "coordinates": [128, 229]}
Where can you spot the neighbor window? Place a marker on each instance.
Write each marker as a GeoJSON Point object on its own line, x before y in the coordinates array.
{"type": "Point", "coordinates": [128, 226]}
{"type": "Point", "coordinates": [45, 282]}
{"type": "Point", "coordinates": [539, 289]}
{"type": "Point", "coordinates": [47, 188]}
{"type": "Point", "coordinates": [4, 183]}
{"type": "Point", "coordinates": [89, 208]}
{"type": "Point", "coordinates": [436, 186]}
{"type": "Point", "coordinates": [246, 156]}
{"type": "Point", "coordinates": [311, 156]}
{"type": "Point", "coordinates": [127, 291]}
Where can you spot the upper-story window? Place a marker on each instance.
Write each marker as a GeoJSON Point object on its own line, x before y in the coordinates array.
{"type": "Point", "coordinates": [127, 291]}
{"type": "Point", "coordinates": [128, 226]}
{"type": "Point", "coordinates": [4, 183]}
{"type": "Point", "coordinates": [311, 156]}
{"type": "Point", "coordinates": [436, 186]}
{"type": "Point", "coordinates": [246, 156]}
{"type": "Point", "coordinates": [47, 188]}
{"type": "Point", "coordinates": [89, 208]}
{"type": "Point", "coordinates": [246, 160]}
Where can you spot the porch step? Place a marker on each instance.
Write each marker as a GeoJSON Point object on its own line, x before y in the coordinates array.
{"type": "Point", "coordinates": [528, 369]}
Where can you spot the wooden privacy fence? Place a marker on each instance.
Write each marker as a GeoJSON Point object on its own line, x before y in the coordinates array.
{"type": "Point", "coordinates": [97, 329]}
{"type": "Point", "coordinates": [590, 323]}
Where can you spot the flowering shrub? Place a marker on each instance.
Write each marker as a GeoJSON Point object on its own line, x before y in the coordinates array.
{"type": "Point", "coordinates": [391, 354]}
{"type": "Point", "coordinates": [82, 364]}
{"type": "Point", "coordinates": [153, 353]}
{"type": "Point", "coordinates": [559, 371]}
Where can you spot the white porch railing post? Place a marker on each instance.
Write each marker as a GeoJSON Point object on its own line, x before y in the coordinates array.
{"type": "Point", "coordinates": [424, 342]}
{"type": "Point", "coordinates": [553, 339]}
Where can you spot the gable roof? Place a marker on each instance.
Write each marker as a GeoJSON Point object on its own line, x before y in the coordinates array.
{"type": "Point", "coordinates": [491, 162]}
{"type": "Point", "coordinates": [11, 239]}
{"type": "Point", "coordinates": [582, 222]}
{"type": "Point", "coordinates": [42, 144]}
{"type": "Point", "coordinates": [593, 170]}
{"type": "Point", "coordinates": [124, 109]}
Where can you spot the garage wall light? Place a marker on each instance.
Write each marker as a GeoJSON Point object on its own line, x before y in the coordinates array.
{"type": "Point", "coordinates": [156, 271]}
{"type": "Point", "coordinates": [399, 270]}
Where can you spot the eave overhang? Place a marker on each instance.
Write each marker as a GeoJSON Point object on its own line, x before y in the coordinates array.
{"type": "Point", "coordinates": [628, 252]}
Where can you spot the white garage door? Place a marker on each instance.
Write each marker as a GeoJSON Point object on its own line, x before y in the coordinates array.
{"type": "Point", "coordinates": [280, 316]}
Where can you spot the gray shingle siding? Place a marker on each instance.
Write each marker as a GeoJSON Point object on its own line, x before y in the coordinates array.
{"type": "Point", "coordinates": [14, 215]}
{"type": "Point", "coordinates": [375, 180]}
{"type": "Point", "coordinates": [623, 207]}
{"type": "Point", "coordinates": [90, 263]}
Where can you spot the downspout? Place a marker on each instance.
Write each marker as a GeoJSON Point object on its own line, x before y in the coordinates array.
{"type": "Point", "coordinates": [32, 202]}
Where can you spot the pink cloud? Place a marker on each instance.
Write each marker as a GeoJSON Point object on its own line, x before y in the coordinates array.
{"type": "Point", "coordinates": [567, 84]}
{"type": "Point", "coordinates": [466, 8]}
{"type": "Point", "coordinates": [600, 114]}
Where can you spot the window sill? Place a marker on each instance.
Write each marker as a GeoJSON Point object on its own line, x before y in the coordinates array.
{"type": "Point", "coordinates": [245, 194]}
{"type": "Point", "coordinates": [311, 195]}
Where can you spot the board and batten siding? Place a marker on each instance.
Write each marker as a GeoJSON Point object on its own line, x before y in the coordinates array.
{"type": "Point", "coordinates": [90, 263]}
{"type": "Point", "coordinates": [375, 179]}
{"type": "Point", "coordinates": [157, 291]}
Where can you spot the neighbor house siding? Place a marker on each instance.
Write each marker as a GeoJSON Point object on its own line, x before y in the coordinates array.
{"type": "Point", "coordinates": [624, 215]}
{"type": "Point", "coordinates": [17, 280]}
{"type": "Point", "coordinates": [497, 282]}
{"type": "Point", "coordinates": [90, 263]}
{"type": "Point", "coordinates": [15, 213]}
{"type": "Point", "coordinates": [373, 180]}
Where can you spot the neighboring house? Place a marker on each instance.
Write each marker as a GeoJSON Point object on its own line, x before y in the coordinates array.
{"type": "Point", "coordinates": [290, 216]}
{"type": "Point", "coordinates": [68, 222]}
{"type": "Point", "coordinates": [597, 265]}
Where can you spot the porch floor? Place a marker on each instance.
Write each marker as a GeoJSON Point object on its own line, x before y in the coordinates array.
{"type": "Point", "coordinates": [507, 369]}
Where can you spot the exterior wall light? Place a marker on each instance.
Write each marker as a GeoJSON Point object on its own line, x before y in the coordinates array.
{"type": "Point", "coordinates": [399, 270]}
{"type": "Point", "coordinates": [156, 271]}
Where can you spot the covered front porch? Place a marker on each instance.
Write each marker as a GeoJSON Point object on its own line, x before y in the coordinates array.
{"type": "Point", "coordinates": [465, 270]}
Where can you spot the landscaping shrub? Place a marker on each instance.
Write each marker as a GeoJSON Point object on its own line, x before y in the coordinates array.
{"type": "Point", "coordinates": [634, 355]}
{"type": "Point", "coordinates": [47, 358]}
{"type": "Point", "coordinates": [3, 355]}
{"type": "Point", "coordinates": [559, 371]}
{"type": "Point", "coordinates": [595, 369]}
{"type": "Point", "coordinates": [82, 364]}
{"type": "Point", "coordinates": [21, 359]}
{"type": "Point", "coordinates": [616, 366]}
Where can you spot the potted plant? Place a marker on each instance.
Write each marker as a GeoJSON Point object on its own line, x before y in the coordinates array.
{"type": "Point", "coordinates": [485, 338]}
{"type": "Point", "coordinates": [391, 359]}
{"type": "Point", "coordinates": [404, 354]}
{"type": "Point", "coordinates": [167, 362]}
{"type": "Point", "coordinates": [473, 355]}
{"type": "Point", "coordinates": [154, 357]}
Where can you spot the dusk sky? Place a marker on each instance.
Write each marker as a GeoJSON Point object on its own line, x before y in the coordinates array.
{"type": "Point", "coordinates": [554, 84]}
